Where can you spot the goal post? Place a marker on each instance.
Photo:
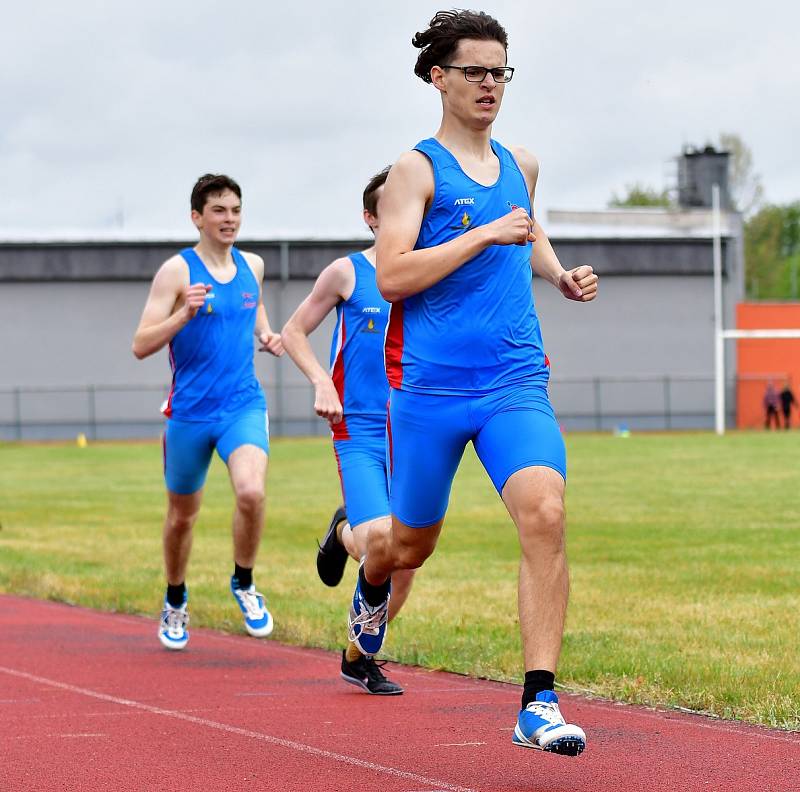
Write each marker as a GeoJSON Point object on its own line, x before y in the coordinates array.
{"type": "Point", "coordinates": [720, 334]}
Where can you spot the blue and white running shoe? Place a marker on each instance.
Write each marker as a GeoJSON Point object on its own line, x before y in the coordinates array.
{"type": "Point", "coordinates": [367, 623]}
{"type": "Point", "coordinates": [541, 725]}
{"type": "Point", "coordinates": [172, 630]}
{"type": "Point", "coordinates": [257, 619]}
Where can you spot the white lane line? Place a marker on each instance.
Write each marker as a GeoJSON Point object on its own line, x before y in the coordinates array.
{"type": "Point", "coordinates": [72, 714]}
{"type": "Point", "coordinates": [224, 727]}
{"type": "Point", "coordinates": [78, 735]}
{"type": "Point", "coordinates": [257, 694]}
{"type": "Point", "coordinates": [457, 745]}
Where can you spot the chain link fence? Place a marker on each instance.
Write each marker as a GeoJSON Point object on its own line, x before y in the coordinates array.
{"type": "Point", "coordinates": [108, 412]}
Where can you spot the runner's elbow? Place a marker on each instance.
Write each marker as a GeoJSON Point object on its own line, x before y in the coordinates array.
{"type": "Point", "coordinates": [389, 286]}
{"type": "Point", "coordinates": [140, 349]}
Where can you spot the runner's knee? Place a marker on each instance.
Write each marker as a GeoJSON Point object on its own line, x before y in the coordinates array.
{"type": "Point", "coordinates": [542, 521]}
{"type": "Point", "coordinates": [181, 520]}
{"type": "Point", "coordinates": [249, 498]}
{"type": "Point", "coordinates": [409, 554]}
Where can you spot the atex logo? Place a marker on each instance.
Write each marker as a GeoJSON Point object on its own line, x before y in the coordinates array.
{"type": "Point", "coordinates": [370, 309]}
{"type": "Point", "coordinates": [464, 202]}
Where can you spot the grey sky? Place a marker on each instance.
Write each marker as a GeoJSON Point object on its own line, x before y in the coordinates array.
{"type": "Point", "coordinates": [110, 111]}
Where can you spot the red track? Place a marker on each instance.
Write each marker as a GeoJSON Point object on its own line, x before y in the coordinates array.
{"type": "Point", "coordinates": [90, 701]}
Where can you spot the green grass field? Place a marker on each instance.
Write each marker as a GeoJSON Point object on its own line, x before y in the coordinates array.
{"type": "Point", "coordinates": [684, 555]}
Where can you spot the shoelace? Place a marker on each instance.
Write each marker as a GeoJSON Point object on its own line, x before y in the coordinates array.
{"type": "Point", "coordinates": [370, 622]}
{"type": "Point", "coordinates": [547, 711]}
{"type": "Point", "coordinates": [175, 619]}
{"type": "Point", "coordinates": [373, 669]}
{"type": "Point", "coordinates": [252, 603]}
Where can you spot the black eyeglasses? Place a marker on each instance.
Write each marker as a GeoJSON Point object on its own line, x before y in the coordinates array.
{"type": "Point", "coordinates": [476, 74]}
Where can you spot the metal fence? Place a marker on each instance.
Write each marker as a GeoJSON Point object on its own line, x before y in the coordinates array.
{"type": "Point", "coordinates": [641, 403]}
{"type": "Point", "coordinates": [105, 412]}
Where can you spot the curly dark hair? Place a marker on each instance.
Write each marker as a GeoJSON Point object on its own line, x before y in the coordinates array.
{"type": "Point", "coordinates": [446, 29]}
{"type": "Point", "coordinates": [211, 184]}
{"type": "Point", "coordinates": [371, 190]}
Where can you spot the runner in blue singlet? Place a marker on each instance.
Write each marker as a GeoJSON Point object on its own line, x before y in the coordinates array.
{"type": "Point", "coordinates": [464, 354]}
{"type": "Point", "coordinates": [205, 305]}
{"type": "Point", "coordinates": [352, 396]}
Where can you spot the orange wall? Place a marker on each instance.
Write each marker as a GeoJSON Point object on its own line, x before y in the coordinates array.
{"type": "Point", "coordinates": [761, 360]}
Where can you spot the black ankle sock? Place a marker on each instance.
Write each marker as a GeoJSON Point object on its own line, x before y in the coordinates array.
{"type": "Point", "coordinates": [535, 682]}
{"type": "Point", "coordinates": [243, 575]}
{"type": "Point", "coordinates": [175, 594]}
{"type": "Point", "coordinates": [374, 595]}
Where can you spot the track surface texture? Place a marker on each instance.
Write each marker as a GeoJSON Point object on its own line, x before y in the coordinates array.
{"type": "Point", "coordinates": [91, 701]}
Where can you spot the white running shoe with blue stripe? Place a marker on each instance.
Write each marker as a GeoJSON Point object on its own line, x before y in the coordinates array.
{"type": "Point", "coordinates": [367, 623]}
{"type": "Point", "coordinates": [257, 619]}
{"type": "Point", "coordinates": [172, 630]}
{"type": "Point", "coordinates": [540, 725]}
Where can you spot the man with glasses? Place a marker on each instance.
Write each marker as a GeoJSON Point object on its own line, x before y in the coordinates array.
{"type": "Point", "coordinates": [464, 355]}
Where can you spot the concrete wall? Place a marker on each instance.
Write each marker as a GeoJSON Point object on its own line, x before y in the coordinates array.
{"type": "Point", "coordinates": [641, 355]}
{"type": "Point", "coordinates": [72, 335]}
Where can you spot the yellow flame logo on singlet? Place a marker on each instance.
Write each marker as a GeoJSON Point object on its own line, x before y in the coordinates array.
{"type": "Point", "coordinates": [370, 325]}
{"type": "Point", "coordinates": [466, 220]}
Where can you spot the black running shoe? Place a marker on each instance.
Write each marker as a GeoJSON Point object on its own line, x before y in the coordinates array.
{"type": "Point", "coordinates": [331, 556]}
{"type": "Point", "coordinates": [366, 673]}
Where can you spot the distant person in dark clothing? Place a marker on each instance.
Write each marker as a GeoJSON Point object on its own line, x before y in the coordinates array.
{"type": "Point", "coordinates": [771, 401]}
{"type": "Point", "coordinates": [787, 399]}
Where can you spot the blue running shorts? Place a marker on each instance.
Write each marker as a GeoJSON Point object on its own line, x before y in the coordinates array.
{"type": "Point", "coordinates": [511, 428]}
{"type": "Point", "coordinates": [362, 469]}
{"type": "Point", "coordinates": [188, 446]}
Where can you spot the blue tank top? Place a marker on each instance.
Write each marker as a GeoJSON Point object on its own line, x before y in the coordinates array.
{"type": "Point", "coordinates": [212, 356]}
{"type": "Point", "coordinates": [357, 366]}
{"type": "Point", "coordinates": [475, 330]}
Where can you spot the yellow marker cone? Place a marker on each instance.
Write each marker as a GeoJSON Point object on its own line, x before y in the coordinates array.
{"type": "Point", "coordinates": [81, 440]}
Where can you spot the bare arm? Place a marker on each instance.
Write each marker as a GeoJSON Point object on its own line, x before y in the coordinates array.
{"type": "Point", "coordinates": [171, 305]}
{"type": "Point", "coordinates": [335, 283]}
{"type": "Point", "coordinates": [403, 271]}
{"type": "Point", "coordinates": [269, 340]}
{"type": "Point", "coordinates": [579, 283]}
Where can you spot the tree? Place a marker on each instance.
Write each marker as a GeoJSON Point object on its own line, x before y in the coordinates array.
{"type": "Point", "coordinates": [772, 252]}
{"type": "Point", "coordinates": [747, 192]}
{"type": "Point", "coordinates": [640, 195]}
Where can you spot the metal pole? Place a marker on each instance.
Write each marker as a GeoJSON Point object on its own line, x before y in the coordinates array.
{"type": "Point", "coordinates": [719, 342]}
{"type": "Point", "coordinates": [92, 413]}
{"type": "Point", "coordinates": [667, 404]}
{"type": "Point", "coordinates": [17, 413]}
{"type": "Point", "coordinates": [598, 406]}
